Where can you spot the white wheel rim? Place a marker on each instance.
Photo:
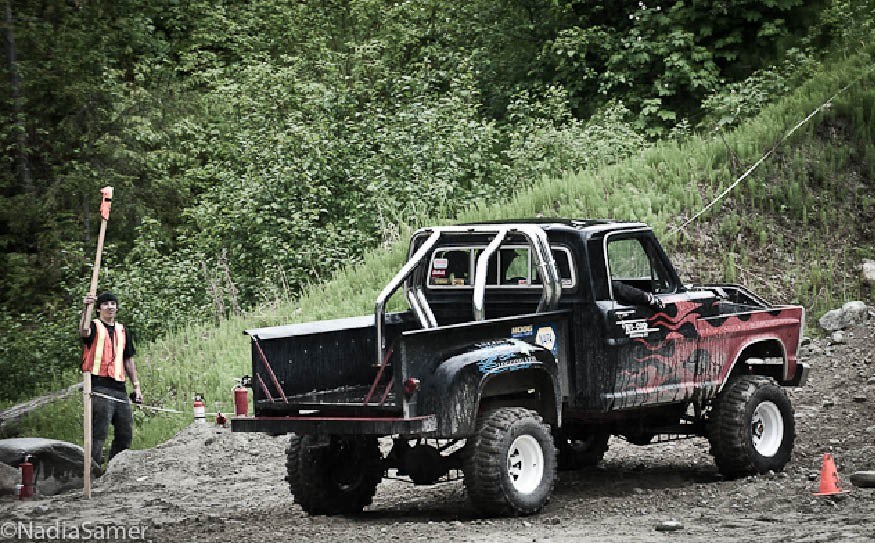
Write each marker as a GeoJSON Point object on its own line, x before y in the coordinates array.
{"type": "Point", "coordinates": [525, 464]}
{"type": "Point", "coordinates": [767, 429]}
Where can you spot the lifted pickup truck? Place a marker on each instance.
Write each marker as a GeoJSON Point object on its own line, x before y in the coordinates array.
{"type": "Point", "coordinates": [526, 346]}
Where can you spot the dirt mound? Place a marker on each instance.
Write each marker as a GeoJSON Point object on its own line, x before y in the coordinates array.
{"type": "Point", "coordinates": [202, 470]}
{"type": "Point", "coordinates": [197, 454]}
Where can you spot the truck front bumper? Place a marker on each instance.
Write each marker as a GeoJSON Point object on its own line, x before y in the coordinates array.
{"type": "Point", "coordinates": [379, 426]}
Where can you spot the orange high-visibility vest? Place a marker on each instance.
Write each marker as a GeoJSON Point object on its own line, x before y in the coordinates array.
{"type": "Point", "coordinates": [104, 357]}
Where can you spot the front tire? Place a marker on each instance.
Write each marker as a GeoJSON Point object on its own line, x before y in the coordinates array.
{"type": "Point", "coordinates": [751, 428]}
{"type": "Point", "coordinates": [510, 463]}
{"type": "Point", "coordinates": [335, 475]}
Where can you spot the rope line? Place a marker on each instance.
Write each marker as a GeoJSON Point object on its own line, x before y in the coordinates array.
{"type": "Point", "coordinates": [148, 407]}
{"type": "Point", "coordinates": [825, 105]}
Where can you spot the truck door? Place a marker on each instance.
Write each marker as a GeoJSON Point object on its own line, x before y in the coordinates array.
{"type": "Point", "coordinates": [652, 350]}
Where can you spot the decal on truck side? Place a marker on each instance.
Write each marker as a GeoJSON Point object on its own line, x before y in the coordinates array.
{"type": "Point", "coordinates": [636, 328]}
{"type": "Point", "coordinates": [506, 362]}
{"type": "Point", "coordinates": [521, 332]}
{"type": "Point", "coordinates": [681, 348]}
{"type": "Point", "coordinates": [544, 335]}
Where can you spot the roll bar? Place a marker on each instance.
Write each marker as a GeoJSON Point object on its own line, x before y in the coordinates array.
{"type": "Point", "coordinates": [536, 238]}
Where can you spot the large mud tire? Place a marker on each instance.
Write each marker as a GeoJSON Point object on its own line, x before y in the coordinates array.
{"type": "Point", "coordinates": [581, 452]}
{"type": "Point", "coordinates": [335, 475]}
{"type": "Point", "coordinates": [510, 463]}
{"type": "Point", "coordinates": [751, 428]}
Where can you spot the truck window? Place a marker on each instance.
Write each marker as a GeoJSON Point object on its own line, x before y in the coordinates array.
{"type": "Point", "coordinates": [450, 267]}
{"type": "Point", "coordinates": [509, 267]}
{"type": "Point", "coordinates": [562, 256]}
{"type": "Point", "coordinates": [514, 266]}
{"type": "Point", "coordinates": [631, 262]}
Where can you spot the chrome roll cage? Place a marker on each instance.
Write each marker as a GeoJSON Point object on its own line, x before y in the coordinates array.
{"type": "Point", "coordinates": [411, 274]}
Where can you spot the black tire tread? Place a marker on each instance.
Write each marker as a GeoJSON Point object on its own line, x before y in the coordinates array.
{"type": "Point", "coordinates": [484, 462]}
{"type": "Point", "coordinates": [728, 426]}
{"type": "Point", "coordinates": [307, 482]}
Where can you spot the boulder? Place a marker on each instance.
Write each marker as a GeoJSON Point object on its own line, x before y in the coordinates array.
{"type": "Point", "coordinates": [863, 479]}
{"type": "Point", "coordinates": [869, 271]}
{"type": "Point", "coordinates": [831, 320]}
{"type": "Point", "coordinates": [9, 478]}
{"type": "Point", "coordinates": [855, 312]}
{"type": "Point", "coordinates": [57, 464]}
{"type": "Point", "coordinates": [851, 313]}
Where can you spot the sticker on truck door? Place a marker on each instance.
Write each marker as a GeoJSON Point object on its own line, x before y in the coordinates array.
{"type": "Point", "coordinates": [636, 328]}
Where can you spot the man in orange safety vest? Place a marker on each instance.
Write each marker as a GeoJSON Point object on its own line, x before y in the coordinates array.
{"type": "Point", "coordinates": [108, 352]}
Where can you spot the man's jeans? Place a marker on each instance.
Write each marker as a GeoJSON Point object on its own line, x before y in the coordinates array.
{"type": "Point", "coordinates": [104, 411]}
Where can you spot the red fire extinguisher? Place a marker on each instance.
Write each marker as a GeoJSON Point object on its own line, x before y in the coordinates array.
{"type": "Point", "coordinates": [200, 410]}
{"type": "Point", "coordinates": [26, 489]}
{"type": "Point", "coordinates": [241, 397]}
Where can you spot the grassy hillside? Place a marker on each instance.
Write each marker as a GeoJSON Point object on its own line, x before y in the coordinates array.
{"type": "Point", "coordinates": [794, 230]}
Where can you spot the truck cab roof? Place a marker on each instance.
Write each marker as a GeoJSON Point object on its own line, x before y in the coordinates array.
{"type": "Point", "coordinates": [586, 227]}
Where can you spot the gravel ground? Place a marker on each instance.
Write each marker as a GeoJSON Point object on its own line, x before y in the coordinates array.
{"type": "Point", "coordinates": [210, 485]}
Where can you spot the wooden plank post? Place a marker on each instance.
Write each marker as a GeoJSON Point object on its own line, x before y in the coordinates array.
{"type": "Point", "coordinates": [105, 205]}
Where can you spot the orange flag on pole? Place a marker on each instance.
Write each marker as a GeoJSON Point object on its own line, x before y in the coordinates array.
{"type": "Point", "coordinates": [106, 203]}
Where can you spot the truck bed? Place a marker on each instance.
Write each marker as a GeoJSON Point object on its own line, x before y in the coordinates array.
{"type": "Point", "coordinates": [325, 367]}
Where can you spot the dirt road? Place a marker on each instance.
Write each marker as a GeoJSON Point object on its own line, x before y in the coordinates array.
{"type": "Point", "coordinates": [210, 485]}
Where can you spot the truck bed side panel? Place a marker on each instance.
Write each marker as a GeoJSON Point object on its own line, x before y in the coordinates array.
{"type": "Point", "coordinates": [320, 356]}
{"type": "Point", "coordinates": [425, 351]}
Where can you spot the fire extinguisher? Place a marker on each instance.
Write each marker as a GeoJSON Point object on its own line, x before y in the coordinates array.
{"type": "Point", "coordinates": [200, 410]}
{"type": "Point", "coordinates": [26, 489]}
{"type": "Point", "coordinates": [241, 397]}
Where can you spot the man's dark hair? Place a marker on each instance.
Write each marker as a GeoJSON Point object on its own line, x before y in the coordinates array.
{"type": "Point", "coordinates": [106, 297]}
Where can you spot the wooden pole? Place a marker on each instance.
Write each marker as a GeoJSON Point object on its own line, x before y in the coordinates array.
{"type": "Point", "coordinates": [86, 430]}
{"type": "Point", "coordinates": [105, 204]}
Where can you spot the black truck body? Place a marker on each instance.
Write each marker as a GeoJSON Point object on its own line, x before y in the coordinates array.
{"type": "Point", "coordinates": [520, 322]}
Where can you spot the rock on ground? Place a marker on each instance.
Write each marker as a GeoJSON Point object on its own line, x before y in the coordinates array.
{"type": "Point", "coordinates": [850, 314]}
{"type": "Point", "coordinates": [9, 478]}
{"type": "Point", "coordinates": [57, 464]}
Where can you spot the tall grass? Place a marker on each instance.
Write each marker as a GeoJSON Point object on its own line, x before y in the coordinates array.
{"type": "Point", "coordinates": [662, 186]}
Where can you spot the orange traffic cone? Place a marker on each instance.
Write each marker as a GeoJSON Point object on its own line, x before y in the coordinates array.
{"type": "Point", "coordinates": [829, 478]}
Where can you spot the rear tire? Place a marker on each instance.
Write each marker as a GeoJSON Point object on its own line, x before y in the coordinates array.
{"type": "Point", "coordinates": [510, 463]}
{"type": "Point", "coordinates": [751, 428]}
{"type": "Point", "coordinates": [335, 475]}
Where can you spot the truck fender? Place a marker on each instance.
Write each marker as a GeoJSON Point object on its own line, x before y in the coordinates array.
{"type": "Point", "coordinates": [495, 369]}
{"type": "Point", "coordinates": [764, 355]}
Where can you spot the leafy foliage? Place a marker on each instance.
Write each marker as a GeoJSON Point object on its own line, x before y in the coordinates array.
{"type": "Point", "coordinates": [257, 147]}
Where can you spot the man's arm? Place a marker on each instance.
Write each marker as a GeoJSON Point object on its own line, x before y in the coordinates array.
{"type": "Point", "coordinates": [131, 371]}
{"type": "Point", "coordinates": [85, 319]}
{"type": "Point", "coordinates": [630, 295]}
